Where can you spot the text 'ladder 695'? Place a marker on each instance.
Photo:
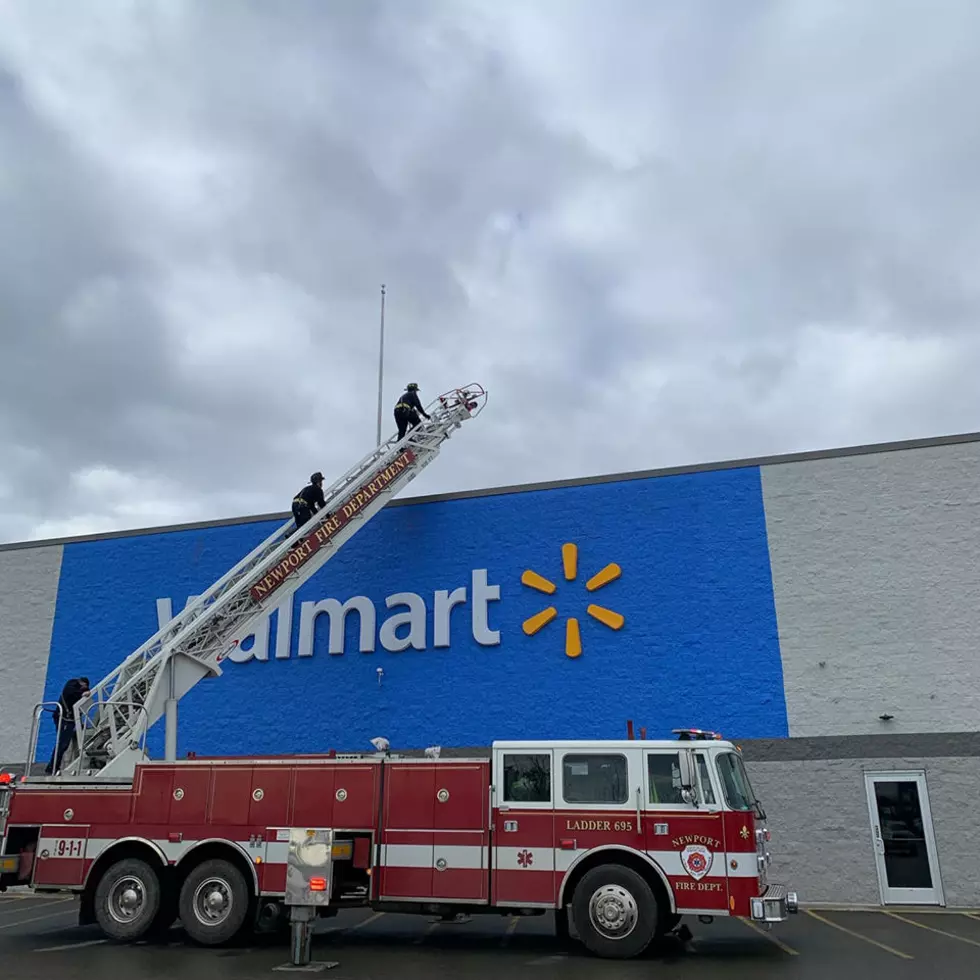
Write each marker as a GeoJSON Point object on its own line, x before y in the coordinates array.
{"type": "Point", "coordinates": [113, 719]}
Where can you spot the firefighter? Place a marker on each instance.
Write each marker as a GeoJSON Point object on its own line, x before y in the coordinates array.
{"type": "Point", "coordinates": [73, 691]}
{"type": "Point", "coordinates": [309, 500]}
{"type": "Point", "coordinates": [408, 409]}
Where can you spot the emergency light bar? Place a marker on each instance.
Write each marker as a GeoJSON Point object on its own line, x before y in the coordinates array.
{"type": "Point", "coordinates": [694, 735]}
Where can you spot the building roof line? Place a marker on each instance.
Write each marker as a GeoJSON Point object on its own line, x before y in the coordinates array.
{"type": "Point", "coordinates": [691, 468]}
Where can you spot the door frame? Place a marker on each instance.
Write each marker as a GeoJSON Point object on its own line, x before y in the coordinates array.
{"type": "Point", "coordinates": [663, 822]}
{"type": "Point", "coordinates": [886, 893]}
{"type": "Point", "coordinates": [502, 811]}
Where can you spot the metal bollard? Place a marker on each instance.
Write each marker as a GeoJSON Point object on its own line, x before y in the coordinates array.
{"type": "Point", "coordinates": [301, 934]}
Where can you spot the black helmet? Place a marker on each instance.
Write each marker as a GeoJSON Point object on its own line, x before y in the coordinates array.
{"type": "Point", "coordinates": [317, 477]}
{"type": "Point", "coordinates": [412, 386]}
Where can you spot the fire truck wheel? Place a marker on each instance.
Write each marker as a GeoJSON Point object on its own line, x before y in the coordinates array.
{"type": "Point", "coordinates": [214, 902]}
{"type": "Point", "coordinates": [127, 899]}
{"type": "Point", "coordinates": [615, 912]}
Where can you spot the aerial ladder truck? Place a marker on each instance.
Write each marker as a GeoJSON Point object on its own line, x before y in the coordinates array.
{"type": "Point", "coordinates": [222, 844]}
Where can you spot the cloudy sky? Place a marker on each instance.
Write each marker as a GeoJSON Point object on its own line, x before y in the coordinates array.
{"type": "Point", "coordinates": [657, 232]}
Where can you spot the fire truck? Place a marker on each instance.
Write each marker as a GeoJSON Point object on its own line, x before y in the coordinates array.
{"type": "Point", "coordinates": [621, 837]}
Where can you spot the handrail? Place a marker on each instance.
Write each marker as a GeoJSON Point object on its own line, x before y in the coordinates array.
{"type": "Point", "coordinates": [39, 709]}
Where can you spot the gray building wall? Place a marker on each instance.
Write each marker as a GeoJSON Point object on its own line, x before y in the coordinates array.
{"type": "Point", "coordinates": [28, 596]}
{"type": "Point", "coordinates": [817, 810]}
{"type": "Point", "coordinates": [876, 574]}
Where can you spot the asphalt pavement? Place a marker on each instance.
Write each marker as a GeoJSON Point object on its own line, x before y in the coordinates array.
{"type": "Point", "coordinates": [38, 940]}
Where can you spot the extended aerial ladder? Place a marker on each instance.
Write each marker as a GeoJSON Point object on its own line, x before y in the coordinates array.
{"type": "Point", "coordinates": [112, 720]}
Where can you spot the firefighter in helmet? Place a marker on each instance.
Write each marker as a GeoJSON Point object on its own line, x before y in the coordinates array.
{"type": "Point", "coordinates": [408, 409]}
{"type": "Point", "coordinates": [64, 721]}
{"type": "Point", "coordinates": [309, 500]}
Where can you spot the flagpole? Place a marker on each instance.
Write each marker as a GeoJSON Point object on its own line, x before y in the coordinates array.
{"type": "Point", "coordinates": [381, 361]}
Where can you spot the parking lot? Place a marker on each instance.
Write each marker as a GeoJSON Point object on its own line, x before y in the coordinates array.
{"type": "Point", "coordinates": [38, 939]}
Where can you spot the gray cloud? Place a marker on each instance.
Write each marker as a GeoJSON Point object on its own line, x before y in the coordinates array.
{"type": "Point", "coordinates": [657, 234]}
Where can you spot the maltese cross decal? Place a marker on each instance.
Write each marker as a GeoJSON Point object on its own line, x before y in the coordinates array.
{"type": "Point", "coordinates": [697, 860]}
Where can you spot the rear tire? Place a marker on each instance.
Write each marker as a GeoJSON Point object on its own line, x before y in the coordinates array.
{"type": "Point", "coordinates": [615, 912]}
{"type": "Point", "coordinates": [214, 901]}
{"type": "Point", "coordinates": [127, 900]}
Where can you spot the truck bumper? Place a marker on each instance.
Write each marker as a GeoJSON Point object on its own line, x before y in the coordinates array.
{"type": "Point", "coordinates": [776, 904]}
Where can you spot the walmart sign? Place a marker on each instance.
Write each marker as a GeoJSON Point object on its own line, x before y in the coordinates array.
{"type": "Point", "coordinates": [551, 614]}
{"type": "Point", "coordinates": [260, 645]}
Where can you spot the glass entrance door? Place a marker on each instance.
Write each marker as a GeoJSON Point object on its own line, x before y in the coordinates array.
{"type": "Point", "coordinates": [905, 847]}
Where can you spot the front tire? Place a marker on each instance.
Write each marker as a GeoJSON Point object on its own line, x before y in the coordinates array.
{"type": "Point", "coordinates": [615, 912]}
{"type": "Point", "coordinates": [213, 903]}
{"type": "Point", "coordinates": [127, 900]}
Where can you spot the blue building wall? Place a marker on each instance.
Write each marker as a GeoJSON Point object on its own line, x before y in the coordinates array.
{"type": "Point", "coordinates": [699, 645]}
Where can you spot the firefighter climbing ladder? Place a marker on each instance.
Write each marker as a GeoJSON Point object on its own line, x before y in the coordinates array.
{"type": "Point", "coordinates": [113, 719]}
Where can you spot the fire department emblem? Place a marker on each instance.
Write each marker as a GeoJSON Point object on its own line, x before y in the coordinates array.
{"type": "Point", "coordinates": [696, 859]}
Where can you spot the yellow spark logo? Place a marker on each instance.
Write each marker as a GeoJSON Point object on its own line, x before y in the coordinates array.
{"type": "Point", "coordinates": [573, 635]}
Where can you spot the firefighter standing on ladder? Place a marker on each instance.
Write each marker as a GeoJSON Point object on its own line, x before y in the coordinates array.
{"type": "Point", "coordinates": [64, 722]}
{"type": "Point", "coordinates": [309, 500]}
{"type": "Point", "coordinates": [407, 410]}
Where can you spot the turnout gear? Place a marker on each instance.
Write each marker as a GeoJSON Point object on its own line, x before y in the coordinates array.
{"type": "Point", "coordinates": [407, 410]}
{"type": "Point", "coordinates": [73, 691]}
{"type": "Point", "coordinates": [309, 500]}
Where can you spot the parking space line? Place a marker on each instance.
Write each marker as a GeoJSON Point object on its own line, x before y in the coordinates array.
{"type": "Point", "coordinates": [30, 897]}
{"type": "Point", "coordinates": [857, 935]}
{"type": "Point", "coordinates": [938, 932]}
{"type": "Point", "coordinates": [428, 932]}
{"type": "Point", "coordinates": [38, 918]}
{"type": "Point", "coordinates": [511, 929]}
{"type": "Point", "coordinates": [768, 935]}
{"type": "Point", "coordinates": [58, 949]}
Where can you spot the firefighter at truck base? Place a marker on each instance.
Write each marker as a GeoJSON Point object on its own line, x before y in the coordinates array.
{"type": "Point", "coordinates": [407, 410]}
{"type": "Point", "coordinates": [73, 691]}
{"type": "Point", "coordinates": [309, 500]}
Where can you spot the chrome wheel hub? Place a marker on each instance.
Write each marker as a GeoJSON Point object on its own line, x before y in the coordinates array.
{"type": "Point", "coordinates": [613, 911]}
{"type": "Point", "coordinates": [212, 901]}
{"type": "Point", "coordinates": [126, 899]}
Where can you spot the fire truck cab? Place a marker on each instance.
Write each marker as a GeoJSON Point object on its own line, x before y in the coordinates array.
{"type": "Point", "coordinates": [629, 836]}
{"type": "Point", "coordinates": [621, 838]}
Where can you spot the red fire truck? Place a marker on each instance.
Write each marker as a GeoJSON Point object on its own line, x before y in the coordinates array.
{"type": "Point", "coordinates": [621, 838]}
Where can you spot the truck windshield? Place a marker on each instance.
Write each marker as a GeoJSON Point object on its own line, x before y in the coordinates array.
{"type": "Point", "coordinates": [735, 780]}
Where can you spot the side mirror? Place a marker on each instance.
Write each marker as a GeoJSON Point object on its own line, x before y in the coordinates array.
{"type": "Point", "coordinates": [688, 786]}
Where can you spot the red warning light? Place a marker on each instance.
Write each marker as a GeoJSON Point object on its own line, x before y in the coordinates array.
{"type": "Point", "coordinates": [318, 884]}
